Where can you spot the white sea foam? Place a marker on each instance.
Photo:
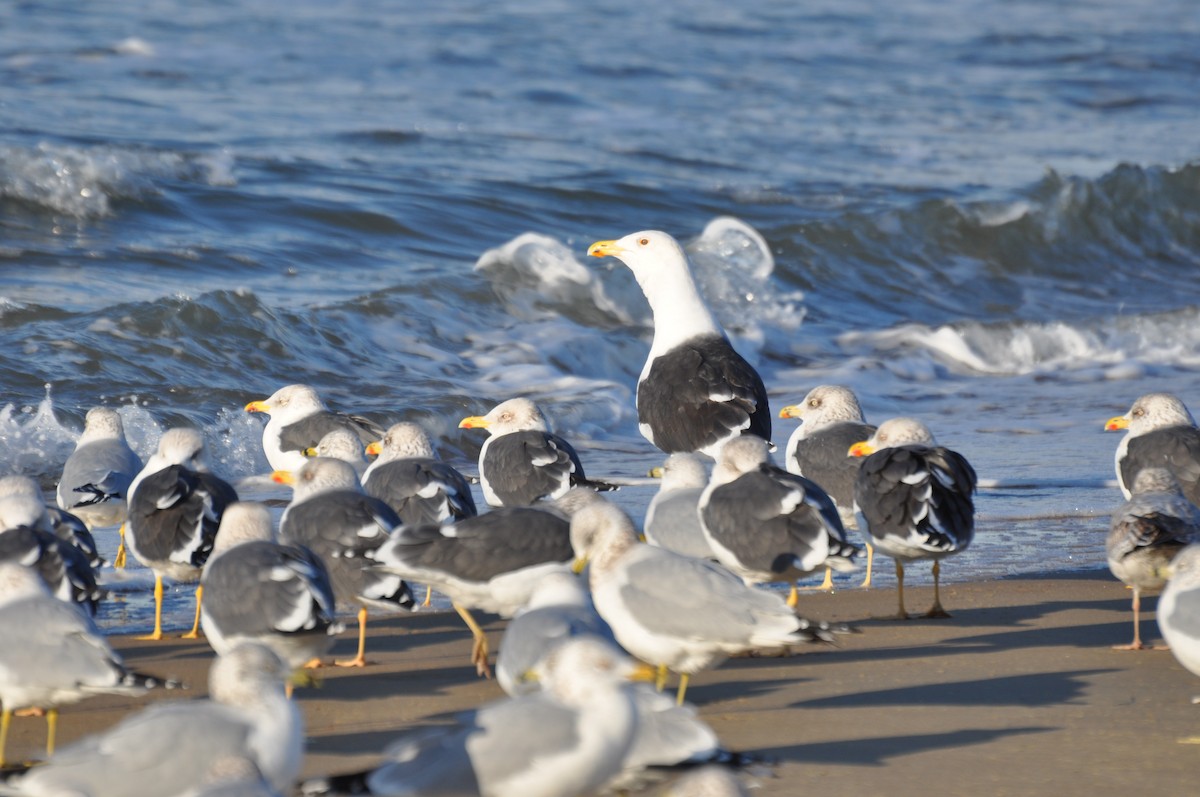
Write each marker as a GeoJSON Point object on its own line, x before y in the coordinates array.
{"type": "Point", "coordinates": [83, 181]}
{"type": "Point", "coordinates": [1110, 348]}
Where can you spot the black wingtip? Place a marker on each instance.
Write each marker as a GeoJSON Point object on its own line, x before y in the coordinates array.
{"type": "Point", "coordinates": [352, 783]}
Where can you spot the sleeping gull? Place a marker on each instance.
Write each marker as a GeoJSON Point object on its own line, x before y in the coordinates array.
{"type": "Point", "coordinates": [695, 392]}
{"type": "Point", "coordinates": [916, 499]}
{"type": "Point", "coordinates": [768, 525]}
{"type": "Point", "coordinates": [261, 590]}
{"type": "Point", "coordinates": [667, 735]}
{"type": "Point", "coordinates": [1146, 533]}
{"type": "Point", "coordinates": [673, 516]}
{"type": "Point", "coordinates": [175, 507]}
{"type": "Point", "coordinates": [408, 477]}
{"type": "Point", "coordinates": [95, 478]}
{"type": "Point", "coordinates": [67, 527]}
{"type": "Point", "coordinates": [676, 612]}
{"type": "Point", "coordinates": [491, 562]}
{"type": "Point", "coordinates": [343, 444]}
{"type": "Point", "coordinates": [563, 741]}
{"type": "Point", "coordinates": [522, 461]}
{"type": "Point", "coordinates": [831, 420]}
{"type": "Point", "coordinates": [332, 516]}
{"type": "Point", "coordinates": [1161, 433]}
{"type": "Point", "coordinates": [299, 419]}
{"type": "Point", "coordinates": [26, 538]}
{"type": "Point", "coordinates": [559, 608]}
{"type": "Point", "coordinates": [171, 746]}
{"type": "Point", "coordinates": [52, 654]}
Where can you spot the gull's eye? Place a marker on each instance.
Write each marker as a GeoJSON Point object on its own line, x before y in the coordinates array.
{"type": "Point", "coordinates": [814, 403]}
{"type": "Point", "coordinates": [643, 242]}
{"type": "Point", "coordinates": [1139, 412]}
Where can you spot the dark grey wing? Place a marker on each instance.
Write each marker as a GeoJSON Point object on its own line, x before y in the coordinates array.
{"type": "Point", "coordinates": [63, 569]}
{"type": "Point", "coordinates": [523, 467]}
{"type": "Point", "coordinates": [699, 393]}
{"type": "Point", "coordinates": [345, 528]}
{"type": "Point", "coordinates": [918, 494]}
{"type": "Point", "coordinates": [308, 431]}
{"type": "Point", "coordinates": [480, 548]}
{"type": "Point", "coordinates": [71, 529]}
{"type": "Point", "coordinates": [824, 457]}
{"type": "Point", "coordinates": [776, 521]}
{"type": "Point", "coordinates": [1176, 448]}
{"type": "Point", "coordinates": [422, 490]}
{"type": "Point", "coordinates": [174, 514]}
{"type": "Point", "coordinates": [263, 587]}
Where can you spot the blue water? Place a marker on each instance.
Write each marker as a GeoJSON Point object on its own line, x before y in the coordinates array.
{"type": "Point", "coordinates": [986, 215]}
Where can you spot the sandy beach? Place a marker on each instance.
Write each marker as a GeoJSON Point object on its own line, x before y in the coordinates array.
{"type": "Point", "coordinates": [1018, 693]}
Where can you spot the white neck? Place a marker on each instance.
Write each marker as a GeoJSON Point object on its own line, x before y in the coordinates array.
{"type": "Point", "coordinates": [680, 313]}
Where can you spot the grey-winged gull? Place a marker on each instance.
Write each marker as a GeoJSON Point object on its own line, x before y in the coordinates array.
{"type": "Point", "coordinates": [1146, 533]}
{"type": "Point", "coordinates": [490, 562]}
{"type": "Point", "coordinates": [175, 508]}
{"type": "Point", "coordinates": [332, 516]}
{"type": "Point", "coordinates": [299, 419]}
{"type": "Point", "coordinates": [563, 741]}
{"type": "Point", "coordinates": [676, 612]}
{"type": "Point", "coordinates": [52, 654]}
{"type": "Point", "coordinates": [96, 476]}
{"type": "Point", "coordinates": [667, 735]}
{"type": "Point", "coordinates": [170, 747]}
{"type": "Point", "coordinates": [673, 515]}
{"type": "Point", "coordinates": [695, 391]}
{"type": "Point", "coordinates": [260, 590]}
{"type": "Point", "coordinates": [1179, 610]}
{"type": "Point", "coordinates": [522, 461]}
{"type": "Point", "coordinates": [67, 527]}
{"type": "Point", "coordinates": [408, 477]}
{"type": "Point", "coordinates": [344, 444]}
{"type": "Point", "coordinates": [1160, 433]}
{"type": "Point", "coordinates": [768, 525]}
{"type": "Point", "coordinates": [26, 538]}
{"type": "Point", "coordinates": [831, 420]}
{"type": "Point", "coordinates": [559, 608]}
{"type": "Point", "coordinates": [916, 499]}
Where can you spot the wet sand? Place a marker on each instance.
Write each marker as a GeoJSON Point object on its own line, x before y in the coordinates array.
{"type": "Point", "coordinates": [1019, 693]}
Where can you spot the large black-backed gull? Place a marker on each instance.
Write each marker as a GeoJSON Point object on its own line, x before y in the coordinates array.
{"type": "Point", "coordinates": [916, 499]}
{"type": "Point", "coordinates": [695, 391]}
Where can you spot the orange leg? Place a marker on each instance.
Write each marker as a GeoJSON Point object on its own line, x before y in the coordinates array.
{"type": "Point", "coordinates": [361, 659]}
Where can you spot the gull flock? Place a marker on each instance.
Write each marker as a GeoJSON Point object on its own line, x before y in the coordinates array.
{"type": "Point", "coordinates": [600, 612]}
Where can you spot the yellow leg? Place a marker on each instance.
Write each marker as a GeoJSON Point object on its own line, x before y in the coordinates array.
{"type": "Point", "coordinates": [51, 730]}
{"type": "Point", "coordinates": [158, 599]}
{"type": "Point", "coordinates": [119, 559]}
{"type": "Point", "coordinates": [361, 659]}
{"type": "Point", "coordinates": [683, 685]}
{"type": "Point", "coordinates": [428, 597]}
{"type": "Point", "coordinates": [936, 611]}
{"type": "Point", "coordinates": [479, 651]}
{"type": "Point", "coordinates": [660, 680]}
{"type": "Point", "coordinates": [793, 597]}
{"type": "Point", "coordinates": [870, 562]}
{"type": "Point", "coordinates": [195, 632]}
{"type": "Point", "coordinates": [5, 719]}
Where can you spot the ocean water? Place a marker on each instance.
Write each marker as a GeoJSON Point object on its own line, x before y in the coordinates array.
{"type": "Point", "coordinates": [984, 215]}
